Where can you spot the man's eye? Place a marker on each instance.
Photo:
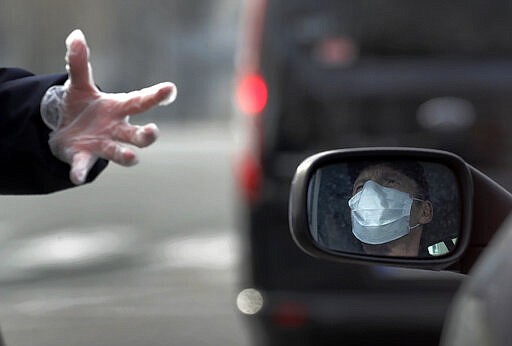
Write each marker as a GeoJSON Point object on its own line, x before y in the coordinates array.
{"type": "Point", "coordinates": [391, 182]}
{"type": "Point", "coordinates": [357, 188]}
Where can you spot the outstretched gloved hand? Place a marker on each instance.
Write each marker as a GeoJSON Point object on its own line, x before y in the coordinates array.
{"type": "Point", "coordinates": [89, 124]}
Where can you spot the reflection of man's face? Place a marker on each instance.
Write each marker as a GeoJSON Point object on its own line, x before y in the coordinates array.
{"type": "Point", "coordinates": [421, 211]}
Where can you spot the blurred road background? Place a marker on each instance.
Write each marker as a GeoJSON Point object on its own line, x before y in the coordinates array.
{"type": "Point", "coordinates": [143, 256]}
{"type": "Point", "coordinates": [148, 255]}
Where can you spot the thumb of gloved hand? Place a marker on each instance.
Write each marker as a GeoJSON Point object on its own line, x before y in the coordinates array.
{"type": "Point", "coordinates": [92, 124]}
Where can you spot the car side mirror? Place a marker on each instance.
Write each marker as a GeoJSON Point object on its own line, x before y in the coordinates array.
{"type": "Point", "coordinates": [395, 206]}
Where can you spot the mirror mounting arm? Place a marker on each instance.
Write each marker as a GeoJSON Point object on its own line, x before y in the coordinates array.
{"type": "Point", "coordinates": [491, 206]}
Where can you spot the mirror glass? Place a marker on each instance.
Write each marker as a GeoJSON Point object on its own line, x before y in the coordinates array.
{"type": "Point", "coordinates": [397, 208]}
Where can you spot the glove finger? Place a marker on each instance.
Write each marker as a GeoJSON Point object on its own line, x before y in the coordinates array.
{"type": "Point", "coordinates": [112, 151]}
{"type": "Point", "coordinates": [82, 163]}
{"type": "Point", "coordinates": [140, 136]}
{"type": "Point", "coordinates": [77, 58]}
{"type": "Point", "coordinates": [142, 100]}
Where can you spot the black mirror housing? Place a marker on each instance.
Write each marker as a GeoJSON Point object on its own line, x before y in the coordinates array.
{"type": "Point", "coordinates": [475, 228]}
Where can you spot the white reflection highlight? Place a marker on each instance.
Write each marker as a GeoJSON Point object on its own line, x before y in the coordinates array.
{"type": "Point", "coordinates": [70, 247]}
{"type": "Point", "coordinates": [249, 301]}
{"type": "Point", "coordinates": [208, 251]}
{"type": "Point", "coordinates": [62, 250]}
{"type": "Point", "coordinates": [446, 114]}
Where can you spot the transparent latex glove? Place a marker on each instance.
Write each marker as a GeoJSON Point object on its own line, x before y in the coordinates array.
{"type": "Point", "coordinates": [89, 124]}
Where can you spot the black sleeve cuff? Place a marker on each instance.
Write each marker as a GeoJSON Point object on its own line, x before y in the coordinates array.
{"type": "Point", "coordinates": [28, 165]}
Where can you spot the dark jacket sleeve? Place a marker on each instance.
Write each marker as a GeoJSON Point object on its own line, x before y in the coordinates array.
{"type": "Point", "coordinates": [27, 165]}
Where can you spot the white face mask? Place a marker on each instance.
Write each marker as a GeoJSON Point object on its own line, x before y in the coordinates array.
{"type": "Point", "coordinates": [380, 214]}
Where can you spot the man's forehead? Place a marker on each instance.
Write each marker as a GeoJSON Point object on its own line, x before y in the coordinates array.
{"type": "Point", "coordinates": [381, 170]}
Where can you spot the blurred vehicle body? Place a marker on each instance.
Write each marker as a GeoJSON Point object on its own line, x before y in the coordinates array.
{"type": "Point", "coordinates": [318, 75]}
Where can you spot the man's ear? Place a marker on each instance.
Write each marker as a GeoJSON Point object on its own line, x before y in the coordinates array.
{"type": "Point", "coordinates": [427, 212]}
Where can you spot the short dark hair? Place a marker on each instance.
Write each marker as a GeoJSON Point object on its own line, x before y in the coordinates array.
{"type": "Point", "coordinates": [411, 169]}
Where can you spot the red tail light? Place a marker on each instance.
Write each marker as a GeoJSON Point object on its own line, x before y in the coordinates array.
{"type": "Point", "coordinates": [290, 315]}
{"type": "Point", "coordinates": [252, 94]}
{"type": "Point", "coordinates": [251, 97]}
{"type": "Point", "coordinates": [249, 176]}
